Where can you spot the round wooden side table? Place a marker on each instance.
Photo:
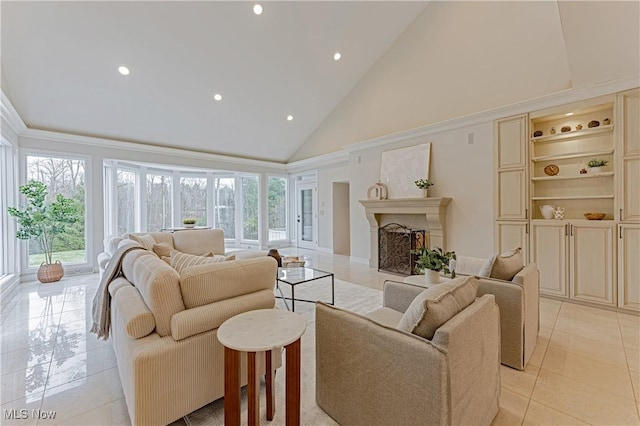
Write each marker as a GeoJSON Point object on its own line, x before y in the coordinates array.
{"type": "Point", "coordinates": [261, 330]}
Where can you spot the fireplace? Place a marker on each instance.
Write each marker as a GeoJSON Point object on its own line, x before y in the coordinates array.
{"type": "Point", "coordinates": [414, 213]}
{"type": "Point", "coordinates": [396, 246]}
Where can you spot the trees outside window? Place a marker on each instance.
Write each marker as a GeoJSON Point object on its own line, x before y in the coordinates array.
{"type": "Point", "coordinates": [158, 202]}
{"type": "Point", "coordinates": [277, 206]}
{"type": "Point", "coordinates": [67, 177]}
{"type": "Point", "coordinates": [250, 207]}
{"type": "Point", "coordinates": [127, 201]}
{"type": "Point", "coordinates": [225, 215]}
{"type": "Point", "coordinates": [193, 199]}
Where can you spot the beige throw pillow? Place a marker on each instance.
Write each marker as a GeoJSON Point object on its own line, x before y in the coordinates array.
{"type": "Point", "coordinates": [162, 249]}
{"type": "Point", "coordinates": [507, 265]}
{"type": "Point", "coordinates": [437, 305]}
{"type": "Point", "coordinates": [147, 241]}
{"type": "Point", "coordinates": [180, 261]}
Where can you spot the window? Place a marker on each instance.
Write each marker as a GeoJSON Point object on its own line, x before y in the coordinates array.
{"type": "Point", "coordinates": [250, 205]}
{"type": "Point", "coordinates": [225, 206]}
{"type": "Point", "coordinates": [193, 199]}
{"type": "Point", "coordinates": [127, 200]}
{"type": "Point", "coordinates": [277, 207]}
{"type": "Point", "coordinates": [62, 176]}
{"type": "Point", "coordinates": [158, 202]}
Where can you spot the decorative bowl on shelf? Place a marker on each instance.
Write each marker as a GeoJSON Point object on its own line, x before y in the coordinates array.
{"type": "Point", "coordinates": [595, 216]}
{"type": "Point", "coordinates": [537, 133]}
{"type": "Point", "coordinates": [593, 123]}
{"type": "Point", "coordinates": [565, 129]}
{"type": "Point", "coordinates": [551, 170]}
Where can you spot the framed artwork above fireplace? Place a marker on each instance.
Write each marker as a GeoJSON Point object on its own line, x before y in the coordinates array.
{"type": "Point", "coordinates": [400, 168]}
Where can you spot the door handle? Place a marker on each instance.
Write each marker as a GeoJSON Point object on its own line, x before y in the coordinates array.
{"type": "Point", "coordinates": [620, 231]}
{"type": "Point", "coordinates": [566, 230]}
{"type": "Point", "coordinates": [571, 230]}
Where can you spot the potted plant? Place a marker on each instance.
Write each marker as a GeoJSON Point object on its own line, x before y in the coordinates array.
{"type": "Point", "coordinates": [189, 222]}
{"type": "Point", "coordinates": [596, 165]}
{"type": "Point", "coordinates": [423, 184]}
{"type": "Point", "coordinates": [432, 261]}
{"type": "Point", "coordinates": [43, 221]}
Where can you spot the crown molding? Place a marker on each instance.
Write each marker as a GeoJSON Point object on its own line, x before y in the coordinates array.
{"type": "Point", "coordinates": [10, 115]}
{"type": "Point", "coordinates": [547, 101]}
{"type": "Point", "coordinates": [332, 158]}
{"type": "Point", "coordinates": [144, 148]}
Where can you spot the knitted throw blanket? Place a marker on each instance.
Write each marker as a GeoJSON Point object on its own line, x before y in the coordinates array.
{"type": "Point", "coordinates": [102, 300]}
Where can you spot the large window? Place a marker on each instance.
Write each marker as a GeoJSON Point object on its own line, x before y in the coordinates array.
{"type": "Point", "coordinates": [8, 193]}
{"type": "Point", "coordinates": [250, 208]}
{"type": "Point", "coordinates": [277, 207]}
{"type": "Point", "coordinates": [193, 199]}
{"type": "Point", "coordinates": [127, 200]}
{"type": "Point", "coordinates": [62, 176]}
{"type": "Point", "coordinates": [225, 205]}
{"type": "Point", "coordinates": [158, 202]}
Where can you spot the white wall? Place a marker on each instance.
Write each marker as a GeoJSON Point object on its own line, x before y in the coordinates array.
{"type": "Point", "coordinates": [326, 176]}
{"type": "Point", "coordinates": [461, 171]}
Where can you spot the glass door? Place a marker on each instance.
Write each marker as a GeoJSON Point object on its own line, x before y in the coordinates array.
{"type": "Point", "coordinates": [306, 215]}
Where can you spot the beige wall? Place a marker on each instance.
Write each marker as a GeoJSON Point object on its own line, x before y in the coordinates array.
{"type": "Point", "coordinates": [326, 176]}
{"type": "Point", "coordinates": [341, 221]}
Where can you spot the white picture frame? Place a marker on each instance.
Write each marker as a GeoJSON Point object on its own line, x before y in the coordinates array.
{"type": "Point", "coordinates": [400, 168]}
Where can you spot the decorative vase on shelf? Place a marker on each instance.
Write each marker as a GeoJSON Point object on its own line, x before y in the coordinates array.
{"type": "Point", "coordinates": [547, 211]}
{"type": "Point", "coordinates": [425, 192]}
{"type": "Point", "coordinates": [595, 170]}
{"type": "Point", "coordinates": [431, 277]}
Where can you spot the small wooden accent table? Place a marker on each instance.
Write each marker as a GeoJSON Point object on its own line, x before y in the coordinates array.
{"type": "Point", "coordinates": [261, 330]}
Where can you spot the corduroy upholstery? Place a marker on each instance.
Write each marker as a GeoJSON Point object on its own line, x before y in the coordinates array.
{"type": "Point", "coordinates": [169, 359]}
{"type": "Point", "coordinates": [368, 372]}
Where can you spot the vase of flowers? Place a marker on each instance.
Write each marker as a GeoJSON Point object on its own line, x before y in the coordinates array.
{"type": "Point", "coordinates": [424, 184]}
{"type": "Point", "coordinates": [434, 261]}
{"type": "Point", "coordinates": [596, 165]}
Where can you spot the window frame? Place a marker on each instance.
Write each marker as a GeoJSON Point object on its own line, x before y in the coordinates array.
{"type": "Point", "coordinates": [286, 179]}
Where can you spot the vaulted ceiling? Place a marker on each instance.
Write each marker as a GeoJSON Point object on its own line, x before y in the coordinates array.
{"type": "Point", "coordinates": [403, 65]}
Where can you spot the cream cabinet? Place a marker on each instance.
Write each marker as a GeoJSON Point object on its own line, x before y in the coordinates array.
{"type": "Point", "coordinates": [510, 157]}
{"type": "Point", "coordinates": [629, 266]}
{"type": "Point", "coordinates": [510, 235]}
{"type": "Point", "coordinates": [576, 259]}
{"type": "Point", "coordinates": [628, 183]}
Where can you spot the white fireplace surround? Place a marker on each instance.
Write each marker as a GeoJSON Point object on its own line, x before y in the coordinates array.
{"type": "Point", "coordinates": [433, 209]}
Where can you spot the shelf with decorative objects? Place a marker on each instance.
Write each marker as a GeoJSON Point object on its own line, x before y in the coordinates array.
{"type": "Point", "coordinates": [579, 176]}
{"type": "Point", "coordinates": [575, 197]}
{"type": "Point", "coordinates": [573, 134]}
{"type": "Point", "coordinates": [571, 155]}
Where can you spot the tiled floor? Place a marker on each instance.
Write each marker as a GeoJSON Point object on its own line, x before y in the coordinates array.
{"type": "Point", "coordinates": [585, 370]}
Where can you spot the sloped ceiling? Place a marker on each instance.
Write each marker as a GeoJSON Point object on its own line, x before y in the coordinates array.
{"type": "Point", "coordinates": [60, 60]}
{"type": "Point", "coordinates": [458, 58]}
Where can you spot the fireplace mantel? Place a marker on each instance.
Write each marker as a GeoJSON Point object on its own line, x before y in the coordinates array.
{"type": "Point", "coordinates": [434, 209]}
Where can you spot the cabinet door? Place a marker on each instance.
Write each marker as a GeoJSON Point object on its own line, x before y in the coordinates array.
{"type": "Point", "coordinates": [511, 142]}
{"type": "Point", "coordinates": [629, 112]}
{"type": "Point", "coordinates": [549, 250]}
{"type": "Point", "coordinates": [629, 267]}
{"type": "Point", "coordinates": [630, 193]}
{"type": "Point", "coordinates": [510, 235]}
{"type": "Point", "coordinates": [512, 201]}
{"type": "Point", "coordinates": [592, 263]}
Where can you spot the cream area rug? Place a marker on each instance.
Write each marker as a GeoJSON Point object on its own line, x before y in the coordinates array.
{"type": "Point", "coordinates": [349, 296]}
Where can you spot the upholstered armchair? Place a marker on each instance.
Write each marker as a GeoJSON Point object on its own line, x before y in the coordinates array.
{"type": "Point", "coordinates": [369, 372]}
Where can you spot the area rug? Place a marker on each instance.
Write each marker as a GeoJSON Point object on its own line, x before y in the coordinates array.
{"type": "Point", "coordinates": [349, 296]}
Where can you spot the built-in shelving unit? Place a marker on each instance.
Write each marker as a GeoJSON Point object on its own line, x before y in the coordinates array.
{"type": "Point", "coordinates": [573, 134]}
{"type": "Point", "coordinates": [582, 176]}
{"type": "Point", "coordinates": [572, 155]}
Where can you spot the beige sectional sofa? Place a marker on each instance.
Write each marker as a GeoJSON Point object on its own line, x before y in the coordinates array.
{"type": "Point", "coordinates": [164, 325]}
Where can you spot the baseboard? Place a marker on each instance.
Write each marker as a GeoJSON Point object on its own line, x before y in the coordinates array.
{"type": "Point", "coordinates": [324, 250]}
{"type": "Point", "coordinates": [356, 259]}
{"type": "Point", "coordinates": [8, 289]}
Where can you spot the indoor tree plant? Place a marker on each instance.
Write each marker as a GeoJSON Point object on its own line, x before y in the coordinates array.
{"type": "Point", "coordinates": [43, 221]}
{"type": "Point", "coordinates": [423, 184]}
{"type": "Point", "coordinates": [432, 261]}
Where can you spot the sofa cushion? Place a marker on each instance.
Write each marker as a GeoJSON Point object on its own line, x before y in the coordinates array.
{"type": "Point", "coordinates": [385, 316]}
{"type": "Point", "coordinates": [162, 249]}
{"type": "Point", "coordinates": [130, 307]}
{"type": "Point", "coordinates": [111, 245]}
{"type": "Point", "coordinates": [208, 283]}
{"type": "Point", "coordinates": [146, 240]}
{"type": "Point", "coordinates": [199, 241]}
{"type": "Point", "coordinates": [507, 265]}
{"type": "Point", "coordinates": [437, 305]}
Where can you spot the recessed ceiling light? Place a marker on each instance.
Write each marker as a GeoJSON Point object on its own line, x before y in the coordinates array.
{"type": "Point", "coordinates": [337, 56]}
{"type": "Point", "coordinates": [289, 117]}
{"type": "Point", "coordinates": [568, 114]}
{"type": "Point", "coordinates": [217, 97]}
{"type": "Point", "coordinates": [257, 9]}
{"type": "Point", "coordinates": [123, 70]}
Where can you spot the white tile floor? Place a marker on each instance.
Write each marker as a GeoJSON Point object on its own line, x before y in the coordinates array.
{"type": "Point", "coordinates": [585, 370]}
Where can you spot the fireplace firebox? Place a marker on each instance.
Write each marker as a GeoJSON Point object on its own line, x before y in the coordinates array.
{"type": "Point", "coordinates": [396, 245]}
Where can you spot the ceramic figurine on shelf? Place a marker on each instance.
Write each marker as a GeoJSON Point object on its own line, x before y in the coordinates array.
{"type": "Point", "coordinates": [579, 127]}
{"type": "Point", "coordinates": [537, 133]}
{"type": "Point", "coordinates": [593, 123]}
{"type": "Point", "coordinates": [583, 171]}
{"type": "Point", "coordinates": [606, 121]}
{"type": "Point", "coordinates": [552, 131]}
{"type": "Point", "coordinates": [377, 191]}
{"type": "Point", "coordinates": [565, 129]}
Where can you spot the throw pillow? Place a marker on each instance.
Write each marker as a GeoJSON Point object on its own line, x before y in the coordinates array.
{"type": "Point", "coordinates": [146, 241]}
{"type": "Point", "coordinates": [507, 265]}
{"type": "Point", "coordinates": [162, 249]}
{"type": "Point", "coordinates": [437, 305]}
{"type": "Point", "coordinates": [180, 261]}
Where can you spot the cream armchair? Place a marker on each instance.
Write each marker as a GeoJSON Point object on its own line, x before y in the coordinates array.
{"type": "Point", "coordinates": [370, 373]}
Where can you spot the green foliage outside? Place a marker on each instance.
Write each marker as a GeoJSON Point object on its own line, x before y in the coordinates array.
{"type": "Point", "coordinates": [41, 221]}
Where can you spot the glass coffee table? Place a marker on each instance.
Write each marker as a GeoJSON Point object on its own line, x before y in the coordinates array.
{"type": "Point", "coordinates": [301, 275]}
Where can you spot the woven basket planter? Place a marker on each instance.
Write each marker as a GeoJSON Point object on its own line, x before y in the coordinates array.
{"type": "Point", "coordinates": [50, 272]}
